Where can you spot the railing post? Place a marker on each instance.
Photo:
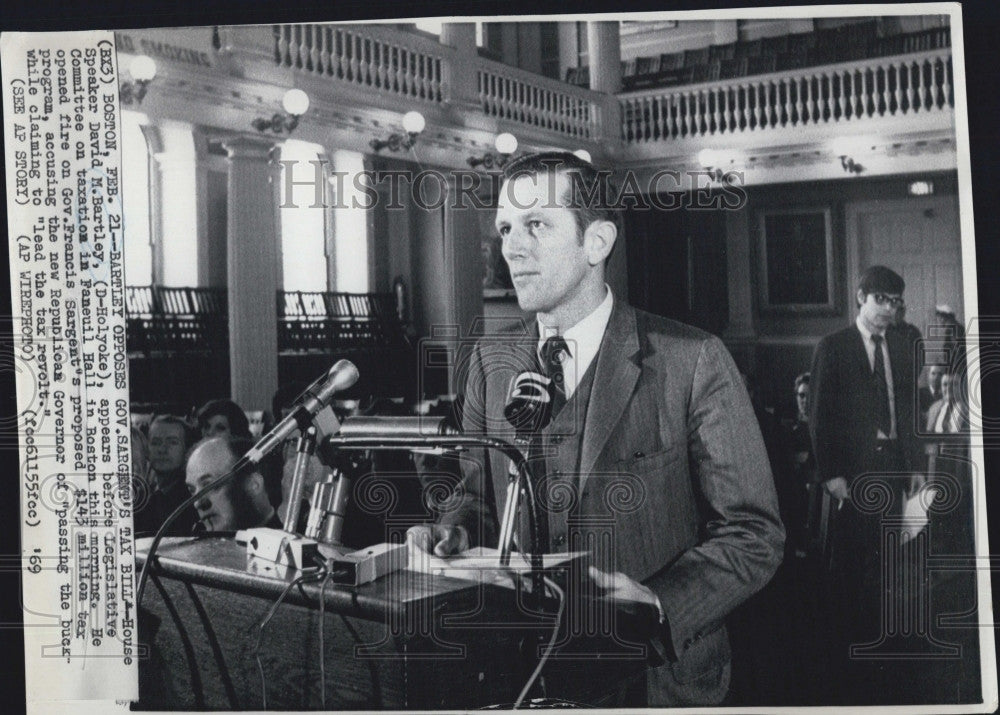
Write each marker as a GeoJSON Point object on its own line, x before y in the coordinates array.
{"type": "Point", "coordinates": [606, 127]}
{"type": "Point", "coordinates": [250, 51]}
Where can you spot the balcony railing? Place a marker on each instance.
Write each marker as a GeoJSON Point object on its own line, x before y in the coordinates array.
{"type": "Point", "coordinates": [369, 57]}
{"type": "Point", "coordinates": [410, 67]}
{"type": "Point", "coordinates": [508, 93]}
{"type": "Point", "coordinates": [899, 86]}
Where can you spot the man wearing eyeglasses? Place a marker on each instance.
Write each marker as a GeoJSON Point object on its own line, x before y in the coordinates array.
{"type": "Point", "coordinates": [862, 423]}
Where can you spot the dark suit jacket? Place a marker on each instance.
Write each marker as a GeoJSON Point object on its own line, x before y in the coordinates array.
{"type": "Point", "coordinates": [668, 406]}
{"type": "Point", "coordinates": [842, 402]}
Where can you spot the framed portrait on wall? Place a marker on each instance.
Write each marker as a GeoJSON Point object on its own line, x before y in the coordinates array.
{"type": "Point", "coordinates": [795, 250]}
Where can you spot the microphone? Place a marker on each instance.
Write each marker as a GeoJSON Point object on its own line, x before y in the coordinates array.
{"type": "Point", "coordinates": [317, 396]}
{"type": "Point", "coordinates": [397, 427]}
{"type": "Point", "coordinates": [529, 404]}
{"type": "Point", "coordinates": [528, 410]}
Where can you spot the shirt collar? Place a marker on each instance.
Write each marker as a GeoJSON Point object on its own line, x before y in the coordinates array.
{"type": "Point", "coordinates": [584, 338]}
{"type": "Point", "coordinates": [865, 332]}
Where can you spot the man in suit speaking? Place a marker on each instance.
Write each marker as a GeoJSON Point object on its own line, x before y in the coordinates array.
{"type": "Point", "coordinates": [639, 401]}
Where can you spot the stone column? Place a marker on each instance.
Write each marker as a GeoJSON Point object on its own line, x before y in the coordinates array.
{"type": "Point", "coordinates": [725, 32]}
{"type": "Point", "coordinates": [459, 76]}
{"type": "Point", "coordinates": [253, 266]}
{"type": "Point", "coordinates": [605, 52]}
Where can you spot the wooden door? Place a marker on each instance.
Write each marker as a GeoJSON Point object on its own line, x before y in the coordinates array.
{"type": "Point", "coordinates": [919, 238]}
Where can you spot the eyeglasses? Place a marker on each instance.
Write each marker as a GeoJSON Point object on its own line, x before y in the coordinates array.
{"type": "Point", "coordinates": [802, 394]}
{"type": "Point", "coordinates": [895, 301]}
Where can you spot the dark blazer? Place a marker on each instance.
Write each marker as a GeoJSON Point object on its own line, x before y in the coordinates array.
{"type": "Point", "coordinates": [669, 407]}
{"type": "Point", "coordinates": [843, 418]}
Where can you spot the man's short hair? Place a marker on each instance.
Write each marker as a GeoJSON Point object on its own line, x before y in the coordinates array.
{"type": "Point", "coordinates": [269, 470]}
{"type": "Point", "coordinates": [879, 279]}
{"type": "Point", "coordinates": [167, 419]}
{"type": "Point", "coordinates": [593, 196]}
{"type": "Point", "coordinates": [234, 414]}
{"type": "Point", "coordinates": [802, 379]}
{"type": "Point", "coordinates": [237, 444]}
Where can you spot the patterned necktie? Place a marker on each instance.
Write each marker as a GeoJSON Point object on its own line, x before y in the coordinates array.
{"type": "Point", "coordinates": [555, 352]}
{"type": "Point", "coordinates": [881, 389]}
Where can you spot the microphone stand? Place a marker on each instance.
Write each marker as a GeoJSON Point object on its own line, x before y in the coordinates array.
{"type": "Point", "coordinates": [521, 481]}
{"type": "Point", "coordinates": [305, 448]}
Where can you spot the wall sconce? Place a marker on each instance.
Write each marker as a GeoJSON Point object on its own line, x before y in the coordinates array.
{"type": "Point", "coordinates": [846, 148]}
{"type": "Point", "coordinates": [506, 145]}
{"type": "Point", "coordinates": [413, 124]}
{"type": "Point", "coordinates": [295, 103]}
{"type": "Point", "coordinates": [142, 70]}
{"type": "Point", "coordinates": [712, 161]}
{"type": "Point", "coordinates": [849, 165]}
{"type": "Point", "coordinates": [582, 154]}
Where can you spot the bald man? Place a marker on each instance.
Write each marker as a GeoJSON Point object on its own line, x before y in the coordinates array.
{"type": "Point", "coordinates": [239, 504]}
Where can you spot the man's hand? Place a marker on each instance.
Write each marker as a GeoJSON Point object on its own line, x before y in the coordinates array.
{"type": "Point", "coordinates": [837, 488]}
{"type": "Point", "coordinates": [439, 540]}
{"type": "Point", "coordinates": [622, 588]}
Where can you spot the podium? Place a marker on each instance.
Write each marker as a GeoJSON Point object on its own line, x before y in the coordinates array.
{"type": "Point", "coordinates": [409, 640]}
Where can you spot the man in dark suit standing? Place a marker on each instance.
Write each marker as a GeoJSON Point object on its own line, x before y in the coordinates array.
{"type": "Point", "coordinates": [863, 430]}
{"type": "Point", "coordinates": [639, 401]}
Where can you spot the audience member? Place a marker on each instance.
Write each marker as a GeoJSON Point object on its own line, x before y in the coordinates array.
{"type": "Point", "coordinates": [861, 422]}
{"type": "Point", "coordinates": [798, 485]}
{"type": "Point", "coordinates": [950, 338]}
{"type": "Point", "coordinates": [241, 503]}
{"type": "Point", "coordinates": [220, 418]}
{"type": "Point", "coordinates": [169, 437]}
{"type": "Point", "coordinates": [948, 415]}
{"type": "Point", "coordinates": [931, 392]}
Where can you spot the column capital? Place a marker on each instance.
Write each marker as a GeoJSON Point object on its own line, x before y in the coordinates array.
{"type": "Point", "coordinates": [247, 146]}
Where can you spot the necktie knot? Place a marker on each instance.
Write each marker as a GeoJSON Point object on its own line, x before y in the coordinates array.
{"type": "Point", "coordinates": [554, 352]}
{"type": "Point", "coordinates": [877, 340]}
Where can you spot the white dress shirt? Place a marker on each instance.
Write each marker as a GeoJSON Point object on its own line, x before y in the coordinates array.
{"type": "Point", "coordinates": [866, 335]}
{"type": "Point", "coordinates": [949, 410]}
{"type": "Point", "coordinates": [583, 339]}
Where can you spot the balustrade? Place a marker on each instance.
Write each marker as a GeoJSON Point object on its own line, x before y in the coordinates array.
{"type": "Point", "coordinates": [413, 67]}
{"type": "Point", "coordinates": [904, 85]}
{"type": "Point", "coordinates": [392, 62]}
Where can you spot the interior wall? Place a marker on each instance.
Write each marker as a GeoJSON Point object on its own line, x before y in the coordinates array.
{"type": "Point", "coordinates": [667, 277]}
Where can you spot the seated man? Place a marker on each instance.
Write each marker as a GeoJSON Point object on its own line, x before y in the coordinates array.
{"type": "Point", "coordinates": [169, 438]}
{"type": "Point", "coordinates": [239, 504]}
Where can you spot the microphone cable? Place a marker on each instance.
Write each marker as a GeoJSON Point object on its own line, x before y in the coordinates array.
{"type": "Point", "coordinates": [548, 648]}
{"type": "Point", "coordinates": [320, 574]}
{"type": "Point", "coordinates": [322, 624]}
